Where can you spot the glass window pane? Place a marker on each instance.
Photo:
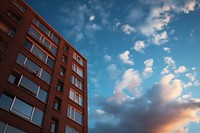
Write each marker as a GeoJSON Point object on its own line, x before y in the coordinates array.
{"type": "Point", "coordinates": [68, 111]}
{"type": "Point", "coordinates": [68, 130]}
{"type": "Point", "coordinates": [20, 59]}
{"type": "Point", "coordinates": [37, 117]}
{"type": "Point", "coordinates": [78, 117]}
{"type": "Point", "coordinates": [53, 50]}
{"type": "Point", "coordinates": [22, 109]}
{"type": "Point", "coordinates": [28, 84]}
{"type": "Point", "coordinates": [34, 33]}
{"type": "Point", "coordinates": [50, 62]}
{"type": "Point", "coordinates": [28, 44]}
{"type": "Point", "coordinates": [39, 53]}
{"type": "Point", "coordinates": [42, 95]}
{"type": "Point", "coordinates": [71, 95]}
{"type": "Point", "coordinates": [11, 129]}
{"type": "Point", "coordinates": [32, 66]}
{"type": "Point", "coordinates": [5, 102]}
{"type": "Point", "coordinates": [55, 39]}
{"type": "Point", "coordinates": [46, 43]}
{"type": "Point", "coordinates": [14, 78]}
{"type": "Point", "coordinates": [2, 126]}
{"type": "Point", "coordinates": [43, 28]}
{"type": "Point", "coordinates": [46, 76]}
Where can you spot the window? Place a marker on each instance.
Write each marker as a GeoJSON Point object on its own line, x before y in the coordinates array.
{"type": "Point", "coordinates": [74, 96]}
{"type": "Point", "coordinates": [66, 48]}
{"type": "Point", "coordinates": [75, 115]}
{"type": "Point", "coordinates": [70, 130]}
{"type": "Point", "coordinates": [20, 7]}
{"type": "Point", "coordinates": [55, 38]}
{"type": "Point", "coordinates": [39, 53]}
{"type": "Point", "coordinates": [28, 85]}
{"type": "Point", "coordinates": [62, 71]}
{"type": "Point", "coordinates": [78, 59]}
{"type": "Point", "coordinates": [41, 26]}
{"type": "Point", "coordinates": [3, 46]}
{"type": "Point", "coordinates": [5, 128]}
{"type": "Point", "coordinates": [54, 126]}
{"type": "Point", "coordinates": [60, 86]}
{"type": "Point", "coordinates": [14, 17]}
{"type": "Point", "coordinates": [57, 104]}
{"type": "Point", "coordinates": [42, 40]}
{"type": "Point", "coordinates": [77, 70]}
{"type": "Point", "coordinates": [34, 68]}
{"type": "Point", "coordinates": [4, 27]}
{"type": "Point", "coordinates": [76, 82]}
{"type": "Point", "coordinates": [64, 59]}
{"type": "Point", "coordinates": [21, 109]}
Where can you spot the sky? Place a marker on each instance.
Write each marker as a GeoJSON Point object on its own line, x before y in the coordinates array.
{"type": "Point", "coordinates": [143, 61]}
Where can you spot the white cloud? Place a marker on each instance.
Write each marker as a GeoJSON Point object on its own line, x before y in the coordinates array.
{"type": "Point", "coordinates": [167, 49]}
{"type": "Point", "coordinates": [131, 80]}
{"type": "Point", "coordinates": [113, 71]}
{"type": "Point", "coordinates": [127, 29]}
{"type": "Point", "coordinates": [139, 46]}
{"type": "Point", "coordinates": [148, 68]}
{"type": "Point", "coordinates": [186, 85]}
{"type": "Point", "coordinates": [91, 18]}
{"type": "Point", "coordinates": [181, 69]}
{"type": "Point", "coordinates": [100, 112]}
{"type": "Point", "coordinates": [170, 62]}
{"type": "Point", "coordinates": [189, 6]}
{"type": "Point", "coordinates": [165, 71]}
{"type": "Point", "coordinates": [160, 38]}
{"type": "Point", "coordinates": [107, 58]}
{"type": "Point", "coordinates": [125, 58]}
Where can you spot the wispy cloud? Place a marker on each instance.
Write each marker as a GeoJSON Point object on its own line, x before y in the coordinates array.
{"type": "Point", "coordinates": [113, 71]}
{"type": "Point", "coordinates": [167, 49]}
{"type": "Point", "coordinates": [127, 29]}
{"type": "Point", "coordinates": [148, 68]}
{"type": "Point", "coordinates": [126, 58]}
{"type": "Point", "coordinates": [107, 58]}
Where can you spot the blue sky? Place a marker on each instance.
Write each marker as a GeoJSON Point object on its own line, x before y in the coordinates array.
{"type": "Point", "coordinates": [143, 61]}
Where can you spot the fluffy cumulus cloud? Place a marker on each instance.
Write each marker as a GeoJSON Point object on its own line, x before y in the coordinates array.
{"type": "Point", "coordinates": [92, 17]}
{"type": "Point", "coordinates": [148, 68]}
{"type": "Point", "coordinates": [181, 69]}
{"type": "Point", "coordinates": [127, 29]}
{"type": "Point", "coordinates": [126, 58]}
{"type": "Point", "coordinates": [139, 46]}
{"type": "Point", "coordinates": [162, 110]}
{"type": "Point", "coordinates": [130, 81]}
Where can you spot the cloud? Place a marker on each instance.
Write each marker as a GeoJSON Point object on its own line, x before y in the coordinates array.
{"type": "Point", "coordinates": [113, 71]}
{"type": "Point", "coordinates": [189, 6]}
{"type": "Point", "coordinates": [127, 29]}
{"type": "Point", "coordinates": [167, 49]}
{"type": "Point", "coordinates": [181, 69]}
{"type": "Point", "coordinates": [160, 38]}
{"type": "Point", "coordinates": [148, 68]}
{"type": "Point", "coordinates": [139, 46]}
{"type": "Point", "coordinates": [107, 58]}
{"type": "Point", "coordinates": [92, 17]}
{"type": "Point", "coordinates": [159, 111]}
{"type": "Point", "coordinates": [170, 62]}
{"type": "Point", "coordinates": [130, 81]}
{"type": "Point", "coordinates": [125, 58]}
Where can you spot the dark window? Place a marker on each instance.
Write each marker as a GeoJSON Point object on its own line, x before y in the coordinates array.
{"type": "Point", "coordinates": [14, 78]}
{"type": "Point", "coordinates": [50, 62]}
{"type": "Point", "coordinates": [64, 59]}
{"type": "Point", "coordinates": [43, 28]}
{"type": "Point", "coordinates": [57, 104]}
{"type": "Point", "coordinates": [14, 17]}
{"type": "Point", "coordinates": [54, 126]}
{"type": "Point", "coordinates": [2, 126]}
{"type": "Point", "coordinates": [5, 102]}
{"type": "Point", "coordinates": [34, 33]}
{"type": "Point", "coordinates": [21, 59]}
{"type": "Point", "coordinates": [60, 86]}
{"type": "Point", "coordinates": [66, 48]}
{"type": "Point", "coordinates": [62, 71]}
{"type": "Point", "coordinates": [11, 129]}
{"type": "Point", "coordinates": [3, 46]}
{"type": "Point", "coordinates": [21, 8]}
{"type": "Point", "coordinates": [37, 117]}
{"type": "Point", "coordinates": [39, 53]}
{"type": "Point", "coordinates": [28, 44]}
{"type": "Point", "coordinates": [4, 27]}
{"type": "Point", "coordinates": [53, 50]}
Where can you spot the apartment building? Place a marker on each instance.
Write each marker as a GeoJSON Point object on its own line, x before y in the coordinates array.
{"type": "Point", "coordinates": [43, 78]}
